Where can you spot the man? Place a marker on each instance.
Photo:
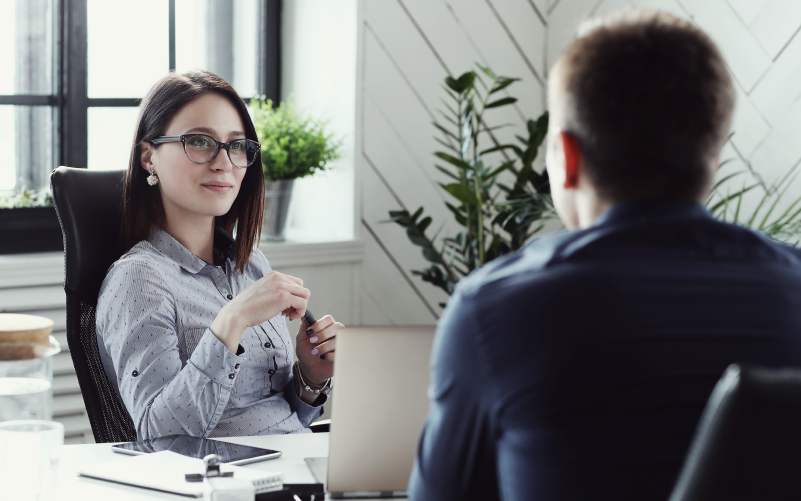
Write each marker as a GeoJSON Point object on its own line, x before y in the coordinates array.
{"type": "Point", "coordinates": [578, 367]}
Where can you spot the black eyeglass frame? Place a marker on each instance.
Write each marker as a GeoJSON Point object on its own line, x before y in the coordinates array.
{"type": "Point", "coordinates": [220, 145]}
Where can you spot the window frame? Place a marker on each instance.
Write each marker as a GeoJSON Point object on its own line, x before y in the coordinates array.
{"type": "Point", "coordinates": [71, 103]}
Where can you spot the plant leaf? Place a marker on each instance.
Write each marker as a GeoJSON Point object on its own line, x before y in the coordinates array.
{"type": "Point", "coordinates": [499, 148]}
{"type": "Point", "coordinates": [501, 102]}
{"type": "Point", "coordinates": [446, 131]}
{"type": "Point", "coordinates": [453, 160]}
{"type": "Point", "coordinates": [446, 172]}
{"type": "Point", "coordinates": [462, 193]}
{"type": "Point", "coordinates": [502, 84]}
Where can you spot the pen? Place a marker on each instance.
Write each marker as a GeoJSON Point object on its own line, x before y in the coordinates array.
{"type": "Point", "coordinates": [308, 317]}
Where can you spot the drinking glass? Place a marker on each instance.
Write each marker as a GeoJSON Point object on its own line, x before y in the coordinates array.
{"type": "Point", "coordinates": [26, 390]}
{"type": "Point", "coordinates": [29, 452]}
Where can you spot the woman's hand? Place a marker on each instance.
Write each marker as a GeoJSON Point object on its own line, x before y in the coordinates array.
{"type": "Point", "coordinates": [272, 294]}
{"type": "Point", "coordinates": [315, 350]}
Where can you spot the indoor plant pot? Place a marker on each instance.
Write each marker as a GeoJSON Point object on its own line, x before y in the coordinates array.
{"type": "Point", "coordinates": [277, 195]}
{"type": "Point", "coordinates": [293, 145]}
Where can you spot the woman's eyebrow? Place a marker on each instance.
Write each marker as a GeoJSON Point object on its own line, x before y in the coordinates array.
{"type": "Point", "coordinates": [212, 132]}
{"type": "Point", "coordinates": [202, 130]}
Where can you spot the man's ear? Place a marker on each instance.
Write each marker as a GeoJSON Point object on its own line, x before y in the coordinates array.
{"type": "Point", "coordinates": [572, 151]}
{"type": "Point", "coordinates": [146, 155]}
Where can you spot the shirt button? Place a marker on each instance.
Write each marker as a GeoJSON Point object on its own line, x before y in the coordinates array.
{"type": "Point", "coordinates": [271, 372]}
{"type": "Point", "coordinates": [135, 373]}
{"type": "Point", "coordinates": [230, 376]}
{"type": "Point", "coordinates": [267, 344]}
{"type": "Point", "coordinates": [230, 297]}
{"type": "Point", "coordinates": [236, 366]}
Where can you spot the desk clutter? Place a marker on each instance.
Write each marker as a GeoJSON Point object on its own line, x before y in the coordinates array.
{"type": "Point", "coordinates": [167, 471]}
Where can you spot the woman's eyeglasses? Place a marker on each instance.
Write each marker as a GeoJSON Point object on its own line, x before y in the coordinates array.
{"type": "Point", "coordinates": [202, 149]}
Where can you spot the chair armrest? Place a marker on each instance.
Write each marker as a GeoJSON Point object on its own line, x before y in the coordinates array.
{"type": "Point", "coordinates": [321, 426]}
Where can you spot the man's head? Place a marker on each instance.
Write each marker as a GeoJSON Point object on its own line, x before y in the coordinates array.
{"type": "Point", "coordinates": [640, 106]}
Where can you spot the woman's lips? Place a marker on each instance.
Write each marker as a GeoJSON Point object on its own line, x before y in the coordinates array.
{"type": "Point", "coordinates": [218, 188]}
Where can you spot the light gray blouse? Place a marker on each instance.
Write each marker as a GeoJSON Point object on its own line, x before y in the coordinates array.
{"type": "Point", "coordinates": [174, 376]}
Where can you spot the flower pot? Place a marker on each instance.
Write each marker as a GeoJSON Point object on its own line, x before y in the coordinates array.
{"type": "Point", "coordinates": [277, 195]}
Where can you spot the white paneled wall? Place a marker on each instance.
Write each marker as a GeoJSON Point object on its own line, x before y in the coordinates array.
{"type": "Point", "coordinates": [760, 42]}
{"type": "Point", "coordinates": [406, 48]}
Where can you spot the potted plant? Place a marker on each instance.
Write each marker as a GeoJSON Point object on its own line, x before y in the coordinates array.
{"type": "Point", "coordinates": [28, 223]}
{"type": "Point", "coordinates": [495, 218]}
{"type": "Point", "coordinates": [293, 145]}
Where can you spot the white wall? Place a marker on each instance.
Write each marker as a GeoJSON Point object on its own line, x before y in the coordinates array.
{"type": "Point", "coordinates": [319, 71]}
{"type": "Point", "coordinates": [760, 41]}
{"type": "Point", "coordinates": [406, 49]}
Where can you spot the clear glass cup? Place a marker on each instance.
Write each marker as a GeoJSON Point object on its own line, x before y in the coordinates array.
{"type": "Point", "coordinates": [26, 386]}
{"type": "Point", "coordinates": [29, 452]}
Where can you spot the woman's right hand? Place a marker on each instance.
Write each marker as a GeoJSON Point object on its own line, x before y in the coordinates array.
{"type": "Point", "coordinates": [272, 294]}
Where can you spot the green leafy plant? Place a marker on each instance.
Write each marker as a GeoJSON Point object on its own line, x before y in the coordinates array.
{"type": "Point", "coordinates": [784, 225]}
{"type": "Point", "coordinates": [496, 218]}
{"type": "Point", "coordinates": [293, 145]}
{"type": "Point", "coordinates": [25, 198]}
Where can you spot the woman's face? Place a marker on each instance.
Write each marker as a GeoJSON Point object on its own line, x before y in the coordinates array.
{"type": "Point", "coordinates": [189, 190]}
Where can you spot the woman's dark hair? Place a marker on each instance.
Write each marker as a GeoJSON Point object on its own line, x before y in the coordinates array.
{"type": "Point", "coordinates": [650, 100]}
{"type": "Point", "coordinates": [142, 206]}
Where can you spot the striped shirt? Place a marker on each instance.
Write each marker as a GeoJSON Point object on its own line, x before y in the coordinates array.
{"type": "Point", "coordinates": [174, 376]}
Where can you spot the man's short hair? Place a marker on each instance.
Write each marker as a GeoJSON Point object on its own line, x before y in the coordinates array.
{"type": "Point", "coordinates": [650, 100]}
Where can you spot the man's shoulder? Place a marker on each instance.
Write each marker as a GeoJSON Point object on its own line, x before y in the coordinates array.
{"type": "Point", "coordinates": [568, 259]}
{"type": "Point", "coordinates": [521, 268]}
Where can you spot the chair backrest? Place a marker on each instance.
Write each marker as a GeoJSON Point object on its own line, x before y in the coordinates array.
{"type": "Point", "coordinates": [748, 443]}
{"type": "Point", "coordinates": [89, 208]}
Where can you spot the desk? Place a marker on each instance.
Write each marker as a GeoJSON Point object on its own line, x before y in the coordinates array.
{"type": "Point", "coordinates": [294, 449]}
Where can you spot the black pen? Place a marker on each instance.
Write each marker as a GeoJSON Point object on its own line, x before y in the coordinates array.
{"type": "Point", "coordinates": [308, 317]}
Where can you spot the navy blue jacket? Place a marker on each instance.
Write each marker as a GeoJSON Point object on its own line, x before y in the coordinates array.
{"type": "Point", "coordinates": [578, 367]}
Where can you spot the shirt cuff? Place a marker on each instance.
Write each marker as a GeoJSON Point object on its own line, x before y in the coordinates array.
{"type": "Point", "coordinates": [216, 361]}
{"type": "Point", "coordinates": [306, 413]}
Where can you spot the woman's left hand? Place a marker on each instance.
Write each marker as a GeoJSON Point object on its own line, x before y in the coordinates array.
{"type": "Point", "coordinates": [316, 350]}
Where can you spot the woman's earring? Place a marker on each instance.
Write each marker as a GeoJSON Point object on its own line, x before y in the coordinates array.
{"type": "Point", "coordinates": [152, 179]}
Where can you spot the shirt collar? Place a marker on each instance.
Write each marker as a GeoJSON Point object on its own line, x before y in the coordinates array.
{"type": "Point", "coordinates": [651, 210]}
{"type": "Point", "coordinates": [224, 247]}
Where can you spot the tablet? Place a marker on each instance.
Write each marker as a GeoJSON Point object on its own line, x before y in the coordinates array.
{"type": "Point", "coordinates": [198, 448]}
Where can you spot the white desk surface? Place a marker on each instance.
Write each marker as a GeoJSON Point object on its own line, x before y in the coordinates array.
{"type": "Point", "coordinates": [293, 447]}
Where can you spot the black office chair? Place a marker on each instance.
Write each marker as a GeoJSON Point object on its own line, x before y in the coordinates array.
{"type": "Point", "coordinates": [89, 208]}
{"type": "Point", "coordinates": [748, 443]}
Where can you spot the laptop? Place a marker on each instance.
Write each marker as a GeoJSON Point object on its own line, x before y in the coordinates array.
{"type": "Point", "coordinates": [379, 406]}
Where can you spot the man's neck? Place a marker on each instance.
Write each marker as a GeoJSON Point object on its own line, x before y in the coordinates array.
{"type": "Point", "coordinates": [589, 205]}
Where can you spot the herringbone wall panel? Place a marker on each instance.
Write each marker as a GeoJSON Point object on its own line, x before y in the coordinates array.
{"type": "Point", "coordinates": [760, 41]}
{"type": "Point", "coordinates": [408, 46]}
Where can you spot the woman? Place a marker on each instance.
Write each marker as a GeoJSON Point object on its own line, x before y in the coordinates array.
{"type": "Point", "coordinates": [193, 321]}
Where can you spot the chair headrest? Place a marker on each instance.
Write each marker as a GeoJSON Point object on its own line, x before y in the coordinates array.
{"type": "Point", "coordinates": [89, 208]}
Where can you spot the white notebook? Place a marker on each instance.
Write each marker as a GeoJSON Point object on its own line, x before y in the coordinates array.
{"type": "Point", "coordinates": [164, 471]}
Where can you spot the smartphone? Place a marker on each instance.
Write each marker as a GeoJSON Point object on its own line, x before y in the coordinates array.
{"type": "Point", "coordinates": [198, 448]}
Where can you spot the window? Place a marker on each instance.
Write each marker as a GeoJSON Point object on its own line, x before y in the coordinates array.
{"type": "Point", "coordinates": [78, 69]}
{"type": "Point", "coordinates": [27, 93]}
